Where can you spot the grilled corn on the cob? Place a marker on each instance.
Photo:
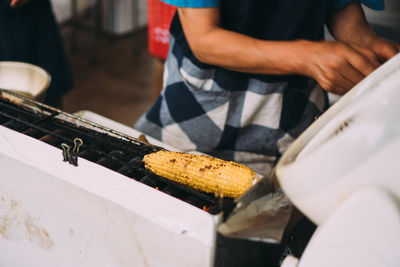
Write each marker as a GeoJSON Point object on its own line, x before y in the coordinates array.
{"type": "Point", "coordinates": [208, 174]}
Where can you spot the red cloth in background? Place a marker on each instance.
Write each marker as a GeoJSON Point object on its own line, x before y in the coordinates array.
{"type": "Point", "coordinates": [159, 21]}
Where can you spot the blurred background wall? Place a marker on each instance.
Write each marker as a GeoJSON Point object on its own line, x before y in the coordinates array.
{"type": "Point", "coordinates": [387, 22]}
{"type": "Point", "coordinates": [122, 13]}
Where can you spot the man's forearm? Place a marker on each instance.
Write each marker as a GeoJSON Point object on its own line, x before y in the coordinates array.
{"type": "Point", "coordinates": [334, 65]}
{"type": "Point", "coordinates": [246, 54]}
{"type": "Point", "coordinates": [214, 45]}
{"type": "Point", "coordinates": [349, 25]}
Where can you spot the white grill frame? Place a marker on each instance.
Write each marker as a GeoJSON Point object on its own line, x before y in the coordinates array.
{"type": "Point", "coordinates": [89, 215]}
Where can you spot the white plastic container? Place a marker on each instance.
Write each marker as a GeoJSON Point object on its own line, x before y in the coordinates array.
{"type": "Point", "coordinates": [355, 144]}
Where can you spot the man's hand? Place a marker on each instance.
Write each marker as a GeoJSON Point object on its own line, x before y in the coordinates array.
{"type": "Point", "coordinates": [337, 67]}
{"type": "Point", "coordinates": [383, 48]}
{"type": "Point", "coordinates": [15, 3]}
{"type": "Point", "coordinates": [350, 26]}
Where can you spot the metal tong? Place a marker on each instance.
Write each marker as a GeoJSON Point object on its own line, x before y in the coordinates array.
{"type": "Point", "coordinates": [261, 214]}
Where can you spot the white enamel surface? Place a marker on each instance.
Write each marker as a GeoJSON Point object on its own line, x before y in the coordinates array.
{"type": "Point", "coordinates": [363, 231]}
{"type": "Point", "coordinates": [290, 261]}
{"type": "Point", "coordinates": [325, 165]}
{"type": "Point", "coordinates": [55, 214]}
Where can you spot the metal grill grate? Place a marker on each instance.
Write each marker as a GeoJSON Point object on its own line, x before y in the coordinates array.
{"type": "Point", "coordinates": [119, 153]}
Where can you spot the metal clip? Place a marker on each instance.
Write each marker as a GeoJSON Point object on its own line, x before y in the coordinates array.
{"type": "Point", "coordinates": [77, 144]}
{"type": "Point", "coordinates": [73, 159]}
{"type": "Point", "coordinates": [66, 150]}
{"type": "Point", "coordinates": [75, 151]}
{"type": "Point", "coordinates": [72, 156]}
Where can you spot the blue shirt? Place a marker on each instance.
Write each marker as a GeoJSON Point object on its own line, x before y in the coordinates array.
{"type": "Point", "coordinates": [193, 3]}
{"type": "Point", "coordinates": [374, 4]}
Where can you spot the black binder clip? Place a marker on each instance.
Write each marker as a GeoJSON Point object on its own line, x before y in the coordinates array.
{"type": "Point", "coordinates": [72, 156]}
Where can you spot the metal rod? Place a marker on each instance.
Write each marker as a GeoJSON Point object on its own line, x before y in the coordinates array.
{"type": "Point", "coordinates": [74, 117]}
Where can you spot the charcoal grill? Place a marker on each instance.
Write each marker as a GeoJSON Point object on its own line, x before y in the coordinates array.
{"type": "Point", "coordinates": [104, 208]}
{"type": "Point", "coordinates": [103, 146]}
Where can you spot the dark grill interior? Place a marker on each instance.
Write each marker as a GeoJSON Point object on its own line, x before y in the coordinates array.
{"type": "Point", "coordinates": [122, 156]}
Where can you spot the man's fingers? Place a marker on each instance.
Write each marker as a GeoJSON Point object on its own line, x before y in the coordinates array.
{"type": "Point", "coordinates": [339, 85]}
{"type": "Point", "coordinates": [386, 49]}
{"type": "Point", "coordinates": [14, 3]}
{"type": "Point", "coordinates": [343, 84]}
{"type": "Point", "coordinates": [361, 64]}
{"type": "Point", "coordinates": [352, 74]}
{"type": "Point", "coordinates": [369, 54]}
{"type": "Point", "coordinates": [388, 52]}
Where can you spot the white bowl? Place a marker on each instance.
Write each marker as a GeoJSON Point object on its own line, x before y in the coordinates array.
{"type": "Point", "coordinates": [26, 79]}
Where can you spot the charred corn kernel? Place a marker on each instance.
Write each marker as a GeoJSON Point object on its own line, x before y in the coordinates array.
{"type": "Point", "coordinates": [208, 174]}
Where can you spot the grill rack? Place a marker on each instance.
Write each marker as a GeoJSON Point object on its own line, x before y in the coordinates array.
{"type": "Point", "coordinates": [102, 145]}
